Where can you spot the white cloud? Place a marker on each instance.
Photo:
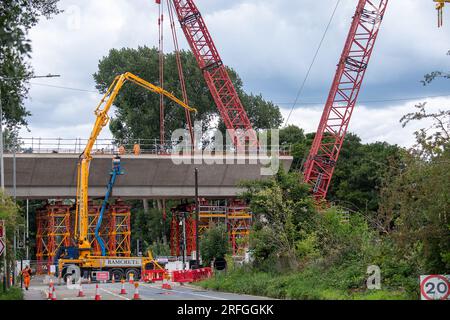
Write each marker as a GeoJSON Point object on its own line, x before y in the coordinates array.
{"type": "Point", "coordinates": [269, 43]}
{"type": "Point", "coordinates": [373, 124]}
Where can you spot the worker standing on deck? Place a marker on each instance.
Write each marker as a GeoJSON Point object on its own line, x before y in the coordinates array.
{"type": "Point", "coordinates": [26, 274]}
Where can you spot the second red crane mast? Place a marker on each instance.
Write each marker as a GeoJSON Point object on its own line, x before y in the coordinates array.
{"type": "Point", "coordinates": [320, 164]}
{"type": "Point", "coordinates": [220, 85]}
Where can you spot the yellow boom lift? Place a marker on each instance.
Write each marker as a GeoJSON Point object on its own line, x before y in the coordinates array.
{"type": "Point", "coordinates": [440, 4]}
{"type": "Point", "coordinates": [85, 263]}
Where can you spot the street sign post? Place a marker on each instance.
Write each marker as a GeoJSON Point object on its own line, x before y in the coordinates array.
{"type": "Point", "coordinates": [435, 287]}
{"type": "Point", "coordinates": [2, 236]}
{"type": "Point", "coordinates": [102, 276]}
{"type": "Point", "coordinates": [20, 244]}
{"type": "Point", "coordinates": [2, 247]}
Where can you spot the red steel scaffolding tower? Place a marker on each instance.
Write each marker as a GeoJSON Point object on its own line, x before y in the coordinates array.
{"type": "Point", "coordinates": [319, 167]}
{"type": "Point", "coordinates": [235, 215]}
{"type": "Point", "coordinates": [53, 232]}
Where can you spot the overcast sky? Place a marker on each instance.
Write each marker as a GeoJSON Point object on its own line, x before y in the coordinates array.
{"type": "Point", "coordinates": [270, 43]}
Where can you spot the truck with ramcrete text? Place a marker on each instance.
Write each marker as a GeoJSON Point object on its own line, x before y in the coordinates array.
{"type": "Point", "coordinates": [78, 261]}
{"type": "Point", "coordinates": [118, 267]}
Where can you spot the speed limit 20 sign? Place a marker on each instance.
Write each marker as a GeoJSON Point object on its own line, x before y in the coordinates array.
{"type": "Point", "coordinates": [434, 287]}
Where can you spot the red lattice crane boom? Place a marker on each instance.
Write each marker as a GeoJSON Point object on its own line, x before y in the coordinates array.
{"type": "Point", "coordinates": [220, 85]}
{"type": "Point", "coordinates": [321, 162]}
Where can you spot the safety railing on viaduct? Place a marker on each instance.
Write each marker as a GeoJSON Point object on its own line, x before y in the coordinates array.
{"type": "Point", "coordinates": [109, 146]}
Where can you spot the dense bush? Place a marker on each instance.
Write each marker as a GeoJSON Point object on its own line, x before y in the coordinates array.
{"type": "Point", "coordinates": [214, 244]}
{"type": "Point", "coordinates": [11, 294]}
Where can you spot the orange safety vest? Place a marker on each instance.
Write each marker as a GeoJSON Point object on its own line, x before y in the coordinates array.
{"type": "Point", "coordinates": [26, 273]}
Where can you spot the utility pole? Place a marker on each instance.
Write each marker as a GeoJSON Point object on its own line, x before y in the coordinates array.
{"type": "Point", "coordinates": [5, 274]}
{"type": "Point", "coordinates": [184, 241]}
{"type": "Point", "coordinates": [197, 219]}
{"type": "Point", "coordinates": [14, 173]}
{"type": "Point", "coordinates": [28, 232]}
{"type": "Point", "coordinates": [2, 162]}
{"type": "Point", "coordinates": [14, 258]}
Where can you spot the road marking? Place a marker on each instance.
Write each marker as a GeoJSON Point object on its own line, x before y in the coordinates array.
{"type": "Point", "coordinates": [187, 292]}
{"type": "Point", "coordinates": [114, 294]}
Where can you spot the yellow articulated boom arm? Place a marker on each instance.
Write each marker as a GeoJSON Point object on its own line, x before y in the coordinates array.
{"type": "Point", "coordinates": [440, 4]}
{"type": "Point", "coordinates": [101, 112]}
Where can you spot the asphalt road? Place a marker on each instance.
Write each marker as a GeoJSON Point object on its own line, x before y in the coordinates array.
{"type": "Point", "coordinates": [109, 291]}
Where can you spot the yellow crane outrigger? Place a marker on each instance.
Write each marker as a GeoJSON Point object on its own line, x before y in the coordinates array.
{"type": "Point", "coordinates": [440, 4]}
{"type": "Point", "coordinates": [101, 112]}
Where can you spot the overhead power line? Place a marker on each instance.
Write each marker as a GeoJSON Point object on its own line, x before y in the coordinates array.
{"type": "Point", "coordinates": [312, 62]}
{"type": "Point", "coordinates": [446, 94]}
{"type": "Point", "coordinates": [372, 101]}
{"type": "Point", "coordinates": [61, 87]}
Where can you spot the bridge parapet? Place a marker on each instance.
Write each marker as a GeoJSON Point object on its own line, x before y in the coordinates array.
{"type": "Point", "coordinates": [109, 146]}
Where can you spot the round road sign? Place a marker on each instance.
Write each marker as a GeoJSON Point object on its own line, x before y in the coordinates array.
{"type": "Point", "coordinates": [435, 287]}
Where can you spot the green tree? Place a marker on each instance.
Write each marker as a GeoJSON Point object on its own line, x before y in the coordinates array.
{"type": "Point", "coordinates": [415, 201]}
{"type": "Point", "coordinates": [137, 113]}
{"type": "Point", "coordinates": [283, 207]}
{"type": "Point", "coordinates": [214, 244]}
{"type": "Point", "coordinates": [360, 171]}
{"type": "Point", "coordinates": [10, 213]}
{"type": "Point", "coordinates": [299, 143]}
{"type": "Point", "coordinates": [149, 228]}
{"type": "Point", "coordinates": [17, 17]}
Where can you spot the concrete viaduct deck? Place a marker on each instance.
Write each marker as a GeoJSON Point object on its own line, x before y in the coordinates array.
{"type": "Point", "coordinates": [54, 176]}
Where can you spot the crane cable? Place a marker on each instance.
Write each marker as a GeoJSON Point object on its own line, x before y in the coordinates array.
{"type": "Point", "coordinates": [171, 10]}
{"type": "Point", "coordinates": [300, 91]}
{"type": "Point", "coordinates": [161, 72]}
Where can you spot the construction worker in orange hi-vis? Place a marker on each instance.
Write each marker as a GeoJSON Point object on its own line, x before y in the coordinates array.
{"type": "Point", "coordinates": [137, 149]}
{"type": "Point", "coordinates": [26, 274]}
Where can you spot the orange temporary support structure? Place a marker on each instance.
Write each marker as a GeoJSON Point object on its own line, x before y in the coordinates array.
{"type": "Point", "coordinates": [93, 215]}
{"type": "Point", "coordinates": [119, 234]}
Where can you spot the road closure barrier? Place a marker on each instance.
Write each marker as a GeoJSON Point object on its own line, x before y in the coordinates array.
{"type": "Point", "coordinates": [153, 275]}
{"type": "Point", "coordinates": [189, 276]}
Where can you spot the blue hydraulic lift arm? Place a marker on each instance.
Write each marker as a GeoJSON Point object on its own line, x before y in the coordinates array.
{"type": "Point", "coordinates": [116, 171]}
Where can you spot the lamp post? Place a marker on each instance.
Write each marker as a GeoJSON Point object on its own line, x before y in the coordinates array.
{"type": "Point", "coordinates": [197, 220]}
{"type": "Point", "coordinates": [2, 162]}
{"type": "Point", "coordinates": [2, 167]}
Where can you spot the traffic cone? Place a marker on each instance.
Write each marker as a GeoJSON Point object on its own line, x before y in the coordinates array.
{"type": "Point", "coordinates": [131, 279]}
{"type": "Point", "coordinates": [136, 292]}
{"type": "Point", "coordinates": [97, 294]}
{"type": "Point", "coordinates": [54, 294]}
{"type": "Point", "coordinates": [123, 291]}
{"type": "Point", "coordinates": [166, 285]}
{"type": "Point", "coordinates": [81, 293]}
{"type": "Point", "coordinates": [50, 290]}
{"type": "Point", "coordinates": [113, 281]}
{"type": "Point", "coordinates": [89, 279]}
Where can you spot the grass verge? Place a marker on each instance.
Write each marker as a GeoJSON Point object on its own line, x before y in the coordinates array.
{"type": "Point", "coordinates": [11, 294]}
{"type": "Point", "coordinates": [310, 284]}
